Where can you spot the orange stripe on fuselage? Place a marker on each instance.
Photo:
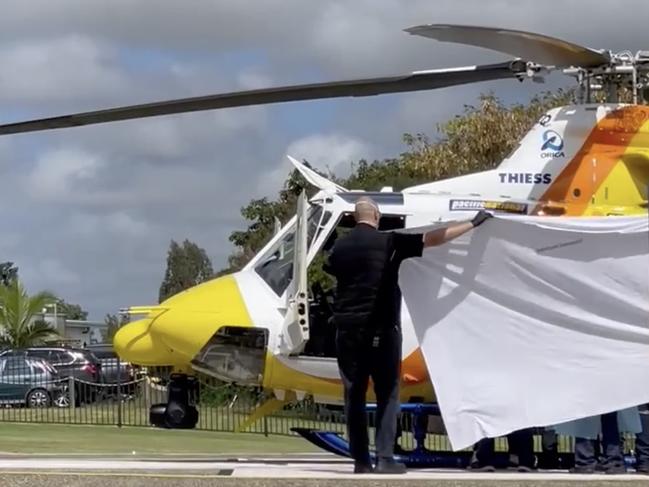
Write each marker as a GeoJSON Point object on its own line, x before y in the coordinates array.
{"type": "Point", "coordinates": [413, 370]}
{"type": "Point", "coordinates": [602, 150]}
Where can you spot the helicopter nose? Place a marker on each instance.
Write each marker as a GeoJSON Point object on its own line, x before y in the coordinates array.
{"type": "Point", "coordinates": [135, 343]}
{"type": "Point", "coordinates": [178, 328]}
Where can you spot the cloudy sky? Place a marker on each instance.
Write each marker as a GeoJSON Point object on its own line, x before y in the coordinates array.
{"type": "Point", "coordinates": [89, 212]}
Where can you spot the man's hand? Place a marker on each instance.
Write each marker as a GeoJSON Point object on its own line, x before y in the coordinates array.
{"type": "Point", "coordinates": [443, 235]}
{"type": "Point", "coordinates": [480, 218]}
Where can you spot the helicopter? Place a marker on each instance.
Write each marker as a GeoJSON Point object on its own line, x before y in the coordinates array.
{"type": "Point", "coordinates": [263, 326]}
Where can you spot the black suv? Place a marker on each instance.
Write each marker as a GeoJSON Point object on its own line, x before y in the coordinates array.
{"type": "Point", "coordinates": [81, 364]}
{"type": "Point", "coordinates": [114, 370]}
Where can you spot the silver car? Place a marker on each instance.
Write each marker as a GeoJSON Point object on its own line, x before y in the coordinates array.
{"type": "Point", "coordinates": [29, 381]}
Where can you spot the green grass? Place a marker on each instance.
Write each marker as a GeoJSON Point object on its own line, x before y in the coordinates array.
{"type": "Point", "coordinates": [62, 439]}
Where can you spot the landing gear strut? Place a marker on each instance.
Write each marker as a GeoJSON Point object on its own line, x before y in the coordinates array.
{"type": "Point", "coordinates": [179, 412]}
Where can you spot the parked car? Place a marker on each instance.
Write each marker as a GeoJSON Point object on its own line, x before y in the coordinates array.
{"type": "Point", "coordinates": [114, 370]}
{"type": "Point", "coordinates": [32, 382]}
{"type": "Point", "coordinates": [81, 364]}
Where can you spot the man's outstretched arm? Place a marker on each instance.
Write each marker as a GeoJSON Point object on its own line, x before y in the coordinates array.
{"type": "Point", "coordinates": [443, 235]}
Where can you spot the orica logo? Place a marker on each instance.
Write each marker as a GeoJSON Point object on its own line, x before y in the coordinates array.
{"type": "Point", "coordinates": [552, 141]}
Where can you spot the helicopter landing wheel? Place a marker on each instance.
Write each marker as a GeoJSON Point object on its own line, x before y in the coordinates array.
{"type": "Point", "coordinates": [179, 412]}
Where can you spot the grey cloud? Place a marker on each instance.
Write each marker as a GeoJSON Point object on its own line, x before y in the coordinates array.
{"type": "Point", "coordinates": [69, 67]}
{"type": "Point", "coordinates": [100, 233]}
{"type": "Point", "coordinates": [358, 35]}
{"type": "Point", "coordinates": [338, 36]}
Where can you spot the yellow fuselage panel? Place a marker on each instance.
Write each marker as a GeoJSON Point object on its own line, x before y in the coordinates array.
{"type": "Point", "coordinates": [175, 333]}
{"type": "Point", "coordinates": [415, 381]}
{"type": "Point", "coordinates": [282, 377]}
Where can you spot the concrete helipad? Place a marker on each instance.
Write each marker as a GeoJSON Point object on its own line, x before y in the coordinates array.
{"type": "Point", "coordinates": [317, 469]}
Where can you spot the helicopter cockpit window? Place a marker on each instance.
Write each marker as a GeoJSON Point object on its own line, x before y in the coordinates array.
{"type": "Point", "coordinates": [276, 267]}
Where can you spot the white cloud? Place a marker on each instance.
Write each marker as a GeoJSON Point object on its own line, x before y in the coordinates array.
{"type": "Point", "coordinates": [254, 79]}
{"type": "Point", "coordinates": [108, 198]}
{"type": "Point", "coordinates": [126, 225]}
{"type": "Point", "coordinates": [329, 151]}
{"type": "Point", "coordinates": [326, 152]}
{"type": "Point", "coordinates": [59, 174]}
{"type": "Point", "coordinates": [69, 68]}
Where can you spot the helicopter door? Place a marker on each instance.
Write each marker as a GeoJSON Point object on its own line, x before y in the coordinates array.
{"type": "Point", "coordinates": [295, 329]}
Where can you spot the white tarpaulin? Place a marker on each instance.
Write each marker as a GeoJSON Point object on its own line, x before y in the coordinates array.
{"type": "Point", "coordinates": [528, 321]}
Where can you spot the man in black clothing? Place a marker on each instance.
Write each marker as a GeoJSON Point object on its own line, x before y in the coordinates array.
{"type": "Point", "coordinates": [521, 452]}
{"type": "Point", "coordinates": [642, 442]}
{"type": "Point", "coordinates": [609, 458]}
{"type": "Point", "coordinates": [367, 316]}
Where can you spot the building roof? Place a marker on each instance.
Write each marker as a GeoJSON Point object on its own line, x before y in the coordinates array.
{"type": "Point", "coordinates": [85, 324]}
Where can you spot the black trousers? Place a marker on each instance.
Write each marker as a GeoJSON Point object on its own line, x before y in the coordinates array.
{"type": "Point", "coordinates": [521, 450]}
{"type": "Point", "coordinates": [611, 454]}
{"type": "Point", "coordinates": [642, 440]}
{"type": "Point", "coordinates": [363, 354]}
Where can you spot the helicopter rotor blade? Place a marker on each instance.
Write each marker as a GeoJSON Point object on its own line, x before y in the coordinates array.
{"type": "Point", "coordinates": [416, 81]}
{"type": "Point", "coordinates": [527, 45]}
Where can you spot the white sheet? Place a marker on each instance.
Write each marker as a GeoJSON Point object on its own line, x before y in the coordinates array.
{"type": "Point", "coordinates": [529, 321]}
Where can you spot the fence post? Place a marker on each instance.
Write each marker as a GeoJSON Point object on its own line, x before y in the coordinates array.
{"type": "Point", "coordinates": [119, 393]}
{"type": "Point", "coordinates": [71, 392]}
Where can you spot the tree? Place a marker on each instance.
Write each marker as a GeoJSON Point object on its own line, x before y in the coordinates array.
{"type": "Point", "coordinates": [19, 323]}
{"type": "Point", "coordinates": [113, 323]}
{"type": "Point", "coordinates": [262, 213]}
{"type": "Point", "coordinates": [187, 266]}
{"type": "Point", "coordinates": [8, 272]}
{"type": "Point", "coordinates": [477, 140]}
{"type": "Point", "coordinates": [71, 311]}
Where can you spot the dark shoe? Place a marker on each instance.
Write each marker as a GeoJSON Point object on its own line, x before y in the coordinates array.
{"type": "Point", "coordinates": [521, 469]}
{"type": "Point", "coordinates": [613, 468]}
{"type": "Point", "coordinates": [363, 468]}
{"type": "Point", "coordinates": [389, 467]}
{"type": "Point", "coordinates": [483, 468]}
{"type": "Point", "coordinates": [582, 470]}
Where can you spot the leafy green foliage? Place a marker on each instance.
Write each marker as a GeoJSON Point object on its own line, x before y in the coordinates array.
{"type": "Point", "coordinates": [8, 272]}
{"type": "Point", "coordinates": [187, 266]}
{"type": "Point", "coordinates": [71, 311]}
{"type": "Point", "coordinates": [261, 214]}
{"type": "Point", "coordinates": [316, 273]}
{"type": "Point", "coordinates": [19, 323]}
{"type": "Point", "coordinates": [113, 323]}
{"type": "Point", "coordinates": [476, 140]}
{"type": "Point", "coordinates": [378, 174]}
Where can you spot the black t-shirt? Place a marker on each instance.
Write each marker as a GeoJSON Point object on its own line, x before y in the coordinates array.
{"type": "Point", "coordinates": [404, 246]}
{"type": "Point", "coordinates": [366, 264]}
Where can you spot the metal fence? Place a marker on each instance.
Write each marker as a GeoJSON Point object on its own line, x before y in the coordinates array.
{"type": "Point", "coordinates": [37, 396]}
{"type": "Point", "coordinates": [31, 394]}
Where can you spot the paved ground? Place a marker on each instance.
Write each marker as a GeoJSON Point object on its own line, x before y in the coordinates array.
{"type": "Point", "coordinates": [305, 470]}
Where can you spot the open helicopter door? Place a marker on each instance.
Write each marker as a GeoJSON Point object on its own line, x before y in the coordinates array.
{"type": "Point", "coordinates": [295, 329]}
